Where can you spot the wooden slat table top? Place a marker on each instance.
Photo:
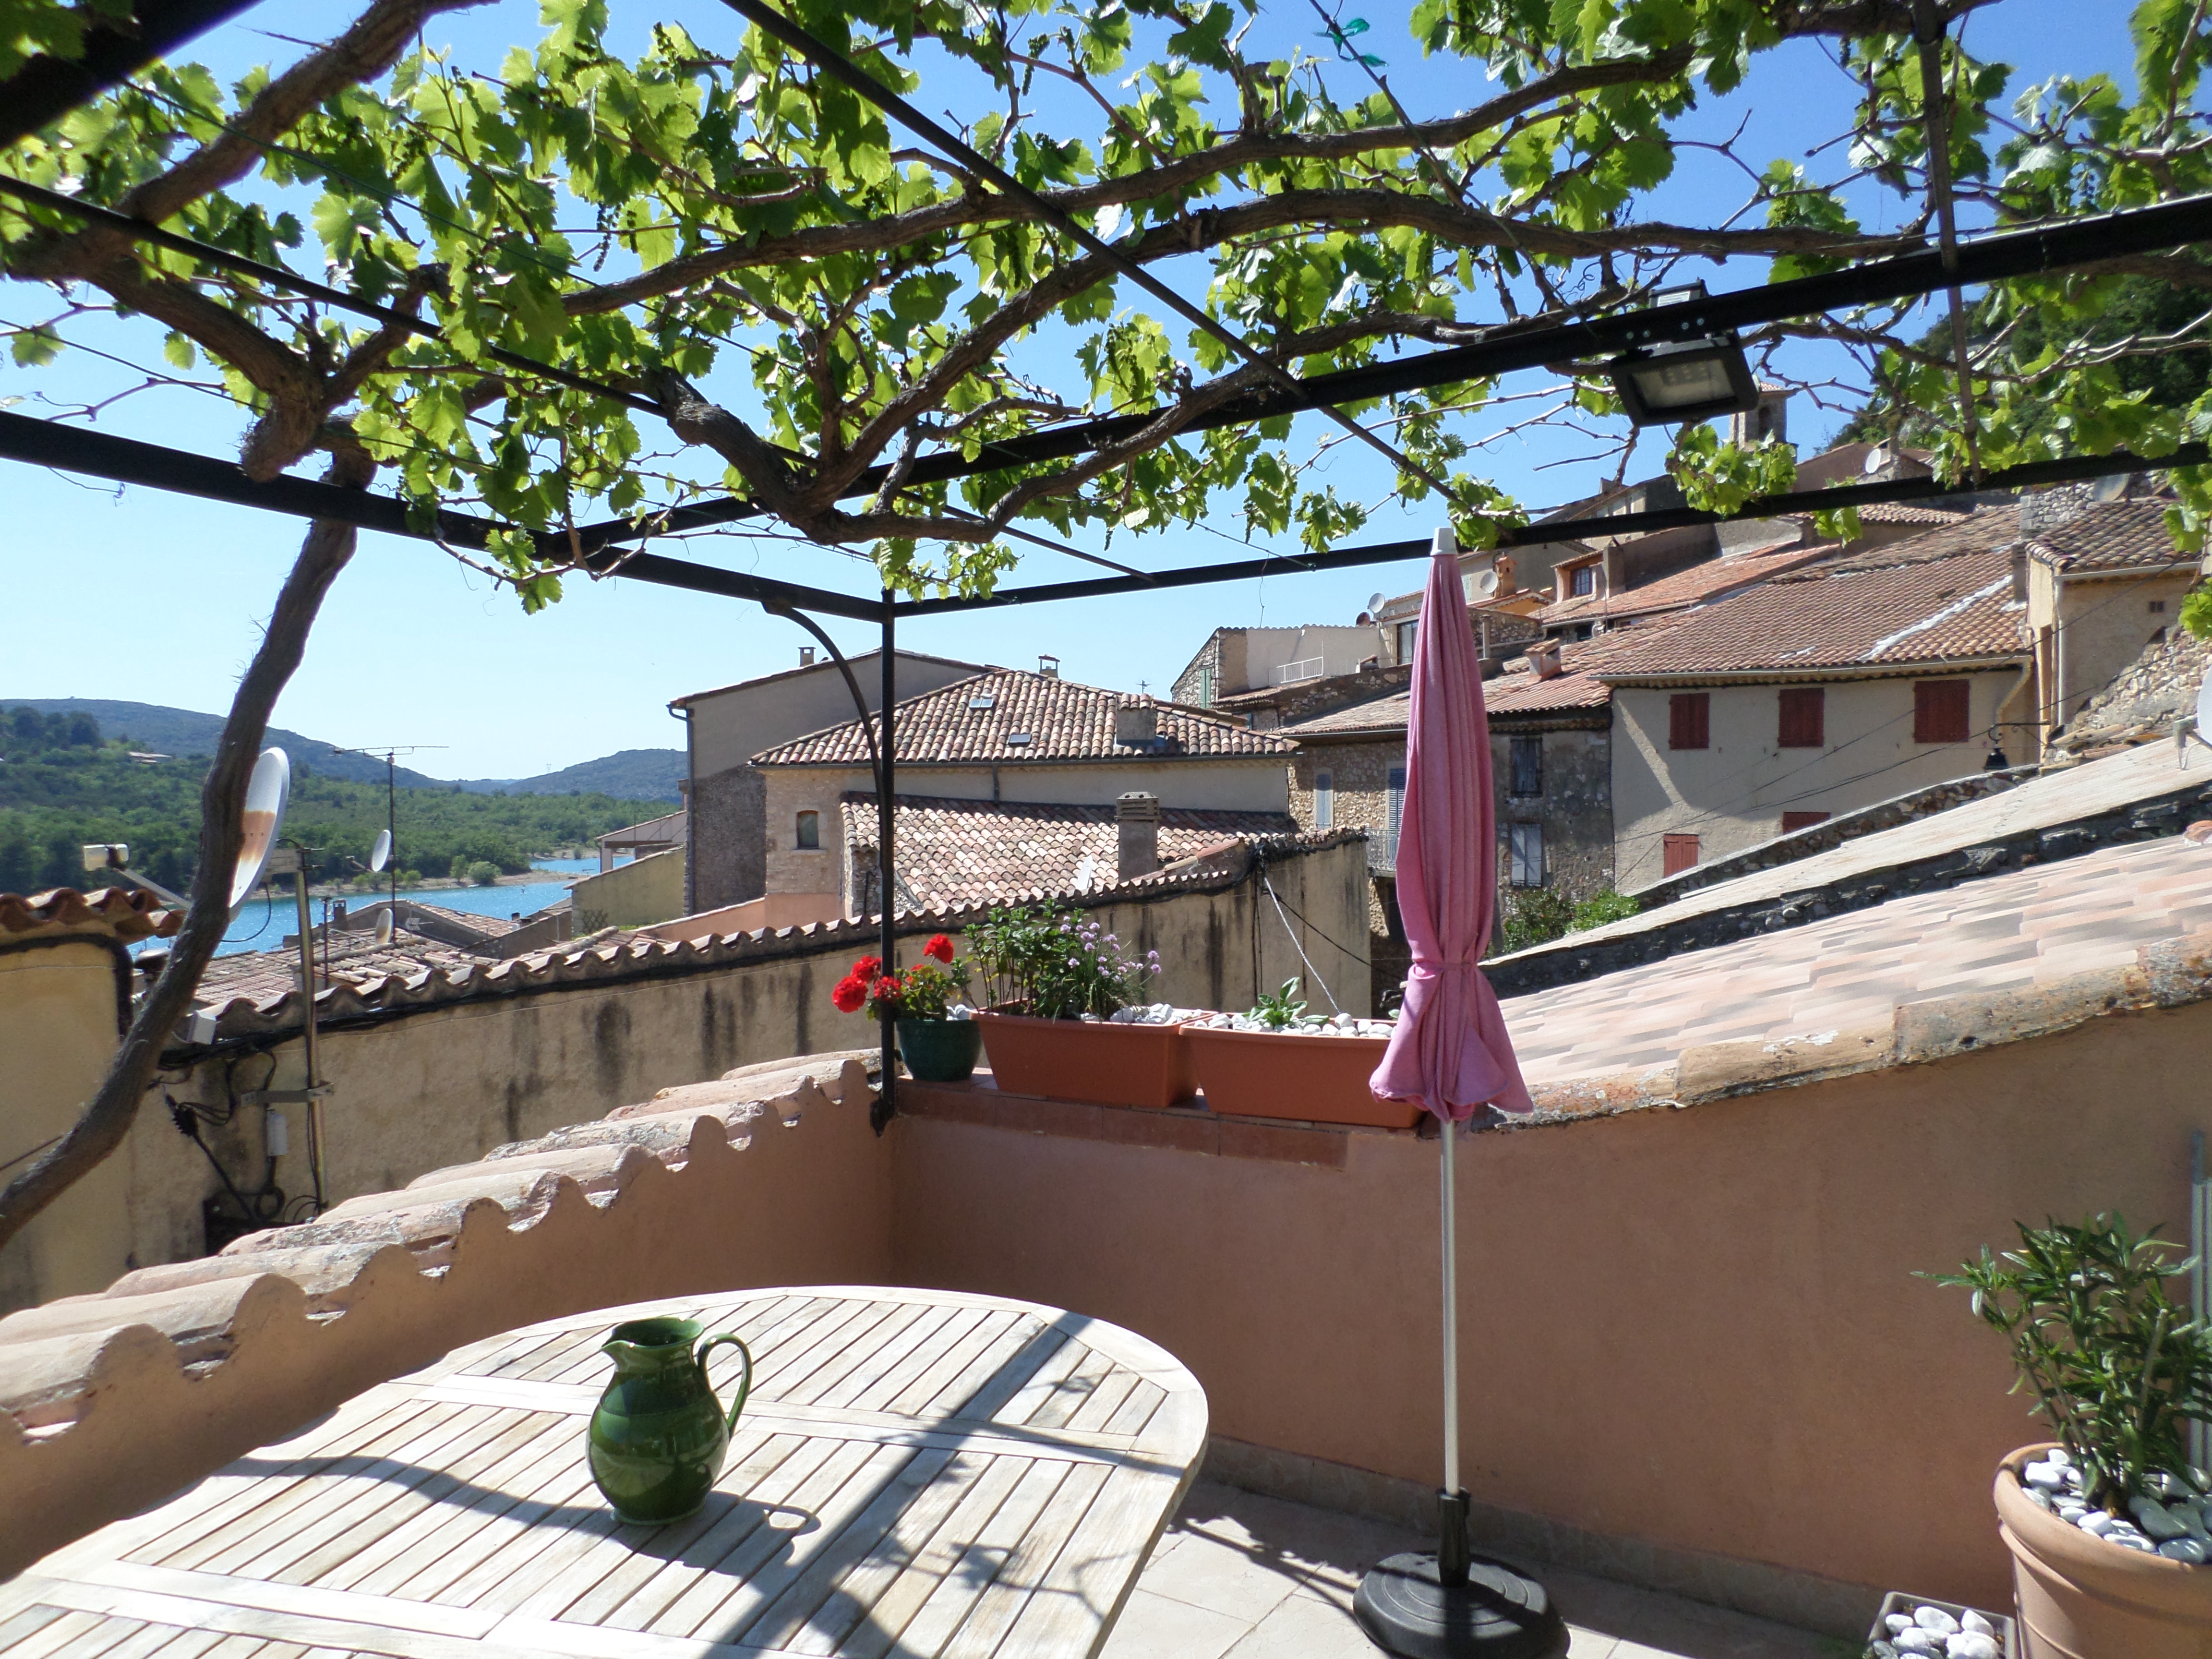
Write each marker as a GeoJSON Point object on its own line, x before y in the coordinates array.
{"type": "Point", "coordinates": [917, 1472]}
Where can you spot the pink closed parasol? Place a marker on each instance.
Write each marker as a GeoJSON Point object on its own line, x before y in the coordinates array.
{"type": "Point", "coordinates": [1451, 1052]}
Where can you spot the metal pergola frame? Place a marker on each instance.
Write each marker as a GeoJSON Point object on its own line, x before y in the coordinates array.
{"type": "Point", "coordinates": [46, 88]}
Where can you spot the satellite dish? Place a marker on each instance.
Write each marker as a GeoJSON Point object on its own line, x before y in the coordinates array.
{"type": "Point", "coordinates": [384, 926]}
{"type": "Point", "coordinates": [1481, 584]}
{"type": "Point", "coordinates": [266, 793]}
{"type": "Point", "coordinates": [381, 854]}
{"type": "Point", "coordinates": [2204, 707]}
{"type": "Point", "coordinates": [1375, 602]}
{"type": "Point", "coordinates": [2112, 489]}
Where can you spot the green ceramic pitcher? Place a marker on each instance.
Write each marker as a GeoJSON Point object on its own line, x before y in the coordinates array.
{"type": "Point", "coordinates": [659, 1435]}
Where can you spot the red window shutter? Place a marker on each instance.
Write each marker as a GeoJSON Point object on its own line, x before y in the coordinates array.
{"type": "Point", "coordinates": [1939, 711]}
{"type": "Point", "coordinates": [1690, 721]}
{"type": "Point", "coordinates": [1680, 852]}
{"type": "Point", "coordinates": [1801, 820]}
{"type": "Point", "coordinates": [1804, 717]}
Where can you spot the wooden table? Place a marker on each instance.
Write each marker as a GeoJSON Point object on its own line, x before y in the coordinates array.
{"type": "Point", "coordinates": [917, 1472]}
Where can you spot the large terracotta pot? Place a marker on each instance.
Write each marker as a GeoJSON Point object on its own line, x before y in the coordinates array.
{"type": "Point", "coordinates": [2082, 1598]}
{"type": "Point", "coordinates": [1088, 1061]}
{"type": "Point", "coordinates": [1314, 1079]}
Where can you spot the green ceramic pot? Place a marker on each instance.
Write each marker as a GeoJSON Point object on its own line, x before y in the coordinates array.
{"type": "Point", "coordinates": [940, 1050]}
{"type": "Point", "coordinates": [659, 1436]}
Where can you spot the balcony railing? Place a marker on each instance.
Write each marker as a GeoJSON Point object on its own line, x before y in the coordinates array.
{"type": "Point", "coordinates": [1291, 672]}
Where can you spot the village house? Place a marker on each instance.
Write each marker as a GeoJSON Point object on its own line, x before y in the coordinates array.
{"type": "Point", "coordinates": [724, 805]}
{"type": "Point", "coordinates": [1235, 660]}
{"type": "Point", "coordinates": [1856, 679]}
{"type": "Point", "coordinates": [1006, 739]}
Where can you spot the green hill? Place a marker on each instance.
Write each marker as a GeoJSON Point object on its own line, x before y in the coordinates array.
{"type": "Point", "coordinates": [184, 731]}
{"type": "Point", "coordinates": [632, 774]}
{"type": "Point", "coordinates": [64, 786]}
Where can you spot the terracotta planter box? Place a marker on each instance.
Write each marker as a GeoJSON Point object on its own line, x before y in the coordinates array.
{"type": "Point", "coordinates": [2082, 1598]}
{"type": "Point", "coordinates": [1313, 1080]}
{"type": "Point", "coordinates": [1092, 1062]}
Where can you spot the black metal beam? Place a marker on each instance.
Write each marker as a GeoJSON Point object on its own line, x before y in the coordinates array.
{"type": "Point", "coordinates": [46, 88]}
{"type": "Point", "coordinates": [1995, 258]}
{"type": "Point", "coordinates": [2069, 469]}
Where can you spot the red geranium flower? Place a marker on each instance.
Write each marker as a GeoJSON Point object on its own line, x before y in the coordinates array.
{"type": "Point", "coordinates": [850, 993]}
{"type": "Point", "coordinates": [867, 969]}
{"type": "Point", "coordinates": [886, 989]}
{"type": "Point", "coordinates": [940, 947]}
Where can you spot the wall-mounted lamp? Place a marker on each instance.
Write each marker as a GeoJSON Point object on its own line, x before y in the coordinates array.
{"type": "Point", "coordinates": [1691, 380]}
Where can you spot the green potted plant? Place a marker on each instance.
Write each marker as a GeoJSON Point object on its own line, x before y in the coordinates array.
{"type": "Point", "coordinates": [938, 1036]}
{"type": "Point", "coordinates": [1278, 1061]}
{"type": "Point", "coordinates": [1065, 1016]}
{"type": "Point", "coordinates": [2108, 1525]}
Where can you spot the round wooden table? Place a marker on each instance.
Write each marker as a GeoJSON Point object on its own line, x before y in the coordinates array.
{"type": "Point", "coordinates": [917, 1472]}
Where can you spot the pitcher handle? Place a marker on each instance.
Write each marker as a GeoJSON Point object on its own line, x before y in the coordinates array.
{"type": "Point", "coordinates": [744, 1377]}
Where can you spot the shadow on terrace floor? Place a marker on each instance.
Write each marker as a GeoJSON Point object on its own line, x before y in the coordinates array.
{"type": "Point", "coordinates": [1243, 1576]}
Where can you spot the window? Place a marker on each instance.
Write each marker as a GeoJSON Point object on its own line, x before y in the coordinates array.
{"type": "Point", "coordinates": [1395, 813]}
{"type": "Point", "coordinates": [2157, 607]}
{"type": "Point", "coordinates": [809, 836]}
{"type": "Point", "coordinates": [1585, 580]}
{"type": "Point", "coordinates": [1525, 842]}
{"type": "Point", "coordinates": [1407, 633]}
{"type": "Point", "coordinates": [1690, 719]}
{"type": "Point", "coordinates": [1939, 711]}
{"type": "Point", "coordinates": [1804, 721]}
{"type": "Point", "coordinates": [1528, 766]}
{"type": "Point", "coordinates": [1324, 800]}
{"type": "Point", "coordinates": [1206, 686]}
{"type": "Point", "coordinates": [1680, 853]}
{"type": "Point", "coordinates": [1796, 821]}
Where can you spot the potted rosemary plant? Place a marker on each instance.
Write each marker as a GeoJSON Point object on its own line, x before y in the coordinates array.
{"type": "Point", "coordinates": [2108, 1526]}
{"type": "Point", "coordinates": [938, 1036]}
{"type": "Point", "coordinates": [1065, 1013]}
{"type": "Point", "coordinates": [1278, 1061]}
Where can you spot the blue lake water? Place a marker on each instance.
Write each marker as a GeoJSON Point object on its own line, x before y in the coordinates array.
{"type": "Point", "coordinates": [264, 924]}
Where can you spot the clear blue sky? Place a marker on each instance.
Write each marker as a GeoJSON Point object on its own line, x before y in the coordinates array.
{"type": "Point", "coordinates": [157, 598]}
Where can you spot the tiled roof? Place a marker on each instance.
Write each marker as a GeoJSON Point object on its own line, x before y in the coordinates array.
{"type": "Point", "coordinates": [1978, 531]}
{"type": "Point", "coordinates": [264, 978]}
{"type": "Point", "coordinates": [1848, 614]}
{"type": "Point", "coordinates": [1063, 720]}
{"type": "Point", "coordinates": [979, 852]}
{"type": "Point", "coordinates": [1518, 690]}
{"type": "Point", "coordinates": [127, 913]}
{"type": "Point", "coordinates": [2111, 536]}
{"type": "Point", "coordinates": [1684, 588]}
{"type": "Point", "coordinates": [1823, 992]}
{"type": "Point", "coordinates": [1906, 512]}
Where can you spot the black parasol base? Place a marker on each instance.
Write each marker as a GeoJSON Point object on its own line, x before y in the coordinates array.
{"type": "Point", "coordinates": [1453, 1604]}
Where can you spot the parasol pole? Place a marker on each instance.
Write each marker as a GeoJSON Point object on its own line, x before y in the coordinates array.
{"type": "Point", "coordinates": [1451, 1501]}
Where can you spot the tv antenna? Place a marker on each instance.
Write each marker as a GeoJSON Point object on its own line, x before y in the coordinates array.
{"type": "Point", "coordinates": [380, 857]}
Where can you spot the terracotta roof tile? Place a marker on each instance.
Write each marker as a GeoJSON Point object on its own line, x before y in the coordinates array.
{"type": "Point", "coordinates": [127, 913]}
{"type": "Point", "coordinates": [1063, 721]}
{"type": "Point", "coordinates": [976, 852]}
{"type": "Point", "coordinates": [1851, 613]}
{"type": "Point", "coordinates": [2111, 536]}
{"type": "Point", "coordinates": [2025, 929]}
{"type": "Point", "coordinates": [1695, 585]}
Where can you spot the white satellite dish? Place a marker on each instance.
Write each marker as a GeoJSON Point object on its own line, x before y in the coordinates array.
{"type": "Point", "coordinates": [1374, 602]}
{"type": "Point", "coordinates": [2204, 707]}
{"type": "Point", "coordinates": [1481, 584]}
{"type": "Point", "coordinates": [266, 793]}
{"type": "Point", "coordinates": [381, 854]}
{"type": "Point", "coordinates": [384, 926]}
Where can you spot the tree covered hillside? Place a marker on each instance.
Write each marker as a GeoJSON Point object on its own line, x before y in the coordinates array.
{"type": "Point", "coordinates": [62, 786]}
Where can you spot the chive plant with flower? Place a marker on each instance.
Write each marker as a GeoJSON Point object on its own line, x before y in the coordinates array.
{"type": "Point", "coordinates": [1056, 963]}
{"type": "Point", "coordinates": [927, 990]}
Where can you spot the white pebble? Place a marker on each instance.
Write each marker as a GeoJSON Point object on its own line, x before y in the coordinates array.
{"type": "Point", "coordinates": [1918, 1641]}
{"type": "Point", "coordinates": [2058, 1454]}
{"type": "Point", "coordinates": [1974, 1624]}
{"type": "Point", "coordinates": [1898, 1621]}
{"type": "Point", "coordinates": [1934, 1620]}
{"type": "Point", "coordinates": [2151, 1516]}
{"type": "Point", "coordinates": [2049, 1476]}
{"type": "Point", "coordinates": [1971, 1644]}
{"type": "Point", "coordinates": [2098, 1522]}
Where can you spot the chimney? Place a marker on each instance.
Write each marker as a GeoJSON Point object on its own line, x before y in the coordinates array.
{"type": "Point", "coordinates": [1137, 723]}
{"type": "Point", "coordinates": [1544, 658]}
{"type": "Point", "coordinates": [807, 656]}
{"type": "Point", "coordinates": [2019, 566]}
{"type": "Point", "coordinates": [1048, 666]}
{"type": "Point", "coordinates": [1137, 816]}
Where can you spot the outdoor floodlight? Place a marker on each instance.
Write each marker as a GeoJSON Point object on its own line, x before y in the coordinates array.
{"type": "Point", "coordinates": [1667, 384]}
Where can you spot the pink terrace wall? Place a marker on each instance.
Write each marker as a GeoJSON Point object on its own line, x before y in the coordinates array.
{"type": "Point", "coordinates": [1697, 1328]}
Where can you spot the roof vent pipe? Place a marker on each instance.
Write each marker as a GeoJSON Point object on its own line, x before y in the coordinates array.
{"type": "Point", "coordinates": [1137, 818]}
